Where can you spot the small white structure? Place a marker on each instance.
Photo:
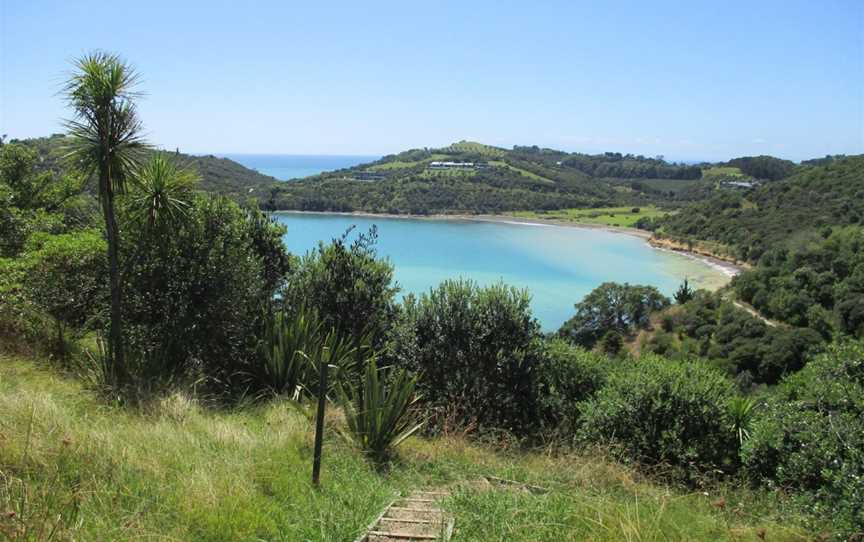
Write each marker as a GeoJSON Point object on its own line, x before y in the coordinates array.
{"type": "Point", "coordinates": [452, 165]}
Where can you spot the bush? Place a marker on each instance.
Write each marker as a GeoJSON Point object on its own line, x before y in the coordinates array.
{"type": "Point", "coordinates": [348, 286]}
{"type": "Point", "coordinates": [476, 350]}
{"type": "Point", "coordinates": [66, 277]}
{"type": "Point", "coordinates": [811, 438]}
{"type": "Point", "coordinates": [195, 300]}
{"type": "Point", "coordinates": [377, 411]}
{"type": "Point", "coordinates": [567, 375]}
{"type": "Point", "coordinates": [657, 411]}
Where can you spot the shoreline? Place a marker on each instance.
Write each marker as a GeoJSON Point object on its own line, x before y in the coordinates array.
{"type": "Point", "coordinates": [728, 268]}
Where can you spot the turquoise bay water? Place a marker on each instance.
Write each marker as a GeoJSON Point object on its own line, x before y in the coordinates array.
{"type": "Point", "coordinates": [296, 166]}
{"type": "Point", "coordinates": [558, 265]}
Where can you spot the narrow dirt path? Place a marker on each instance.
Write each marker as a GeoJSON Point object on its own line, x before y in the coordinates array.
{"type": "Point", "coordinates": [754, 312]}
{"type": "Point", "coordinates": [414, 518]}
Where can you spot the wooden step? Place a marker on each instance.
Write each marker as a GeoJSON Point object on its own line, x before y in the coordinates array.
{"type": "Point", "coordinates": [376, 536]}
{"type": "Point", "coordinates": [414, 517]}
{"type": "Point", "coordinates": [407, 520]}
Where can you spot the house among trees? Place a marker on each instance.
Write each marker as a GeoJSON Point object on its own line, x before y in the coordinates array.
{"type": "Point", "coordinates": [741, 184]}
{"type": "Point", "coordinates": [456, 165]}
{"type": "Point", "coordinates": [369, 176]}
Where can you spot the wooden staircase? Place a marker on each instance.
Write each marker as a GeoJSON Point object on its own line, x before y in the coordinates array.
{"type": "Point", "coordinates": [413, 518]}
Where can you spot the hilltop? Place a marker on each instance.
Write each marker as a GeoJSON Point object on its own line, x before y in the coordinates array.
{"type": "Point", "coordinates": [218, 175]}
{"type": "Point", "coordinates": [477, 178]}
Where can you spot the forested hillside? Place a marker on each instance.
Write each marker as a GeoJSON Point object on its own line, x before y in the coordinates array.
{"type": "Point", "coordinates": [218, 175]}
{"type": "Point", "coordinates": [476, 178]}
{"type": "Point", "coordinates": [782, 214]}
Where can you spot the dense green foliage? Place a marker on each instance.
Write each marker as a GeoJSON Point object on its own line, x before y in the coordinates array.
{"type": "Point", "coordinates": [66, 277]}
{"type": "Point", "coordinates": [476, 349]}
{"type": "Point", "coordinates": [746, 347]}
{"type": "Point", "coordinates": [567, 376]}
{"type": "Point", "coordinates": [810, 436]}
{"type": "Point", "coordinates": [614, 164]}
{"type": "Point", "coordinates": [782, 214]}
{"type": "Point", "coordinates": [32, 201]}
{"type": "Point", "coordinates": [612, 308]}
{"type": "Point", "coordinates": [378, 409]}
{"type": "Point", "coordinates": [658, 411]}
{"type": "Point", "coordinates": [820, 286]}
{"type": "Point", "coordinates": [195, 298]}
{"type": "Point", "coordinates": [763, 167]}
{"type": "Point", "coordinates": [489, 192]}
{"type": "Point", "coordinates": [350, 289]}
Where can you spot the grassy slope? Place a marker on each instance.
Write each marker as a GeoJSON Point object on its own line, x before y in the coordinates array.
{"type": "Point", "coordinates": [606, 216]}
{"type": "Point", "coordinates": [76, 467]}
{"type": "Point", "coordinates": [722, 171]}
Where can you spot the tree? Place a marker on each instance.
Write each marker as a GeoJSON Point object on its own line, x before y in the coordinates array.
{"type": "Point", "coordinates": [612, 307]}
{"type": "Point", "coordinates": [163, 192]}
{"type": "Point", "coordinates": [684, 293]}
{"type": "Point", "coordinates": [65, 275]}
{"type": "Point", "coordinates": [106, 140]}
{"type": "Point", "coordinates": [195, 295]}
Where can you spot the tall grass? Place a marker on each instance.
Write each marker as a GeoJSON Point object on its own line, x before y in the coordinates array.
{"type": "Point", "coordinates": [72, 467]}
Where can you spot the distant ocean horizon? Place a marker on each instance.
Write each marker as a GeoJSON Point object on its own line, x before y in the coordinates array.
{"type": "Point", "coordinates": [286, 167]}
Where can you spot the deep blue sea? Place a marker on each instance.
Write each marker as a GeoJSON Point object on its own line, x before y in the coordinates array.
{"type": "Point", "coordinates": [286, 167]}
{"type": "Point", "coordinates": [558, 265]}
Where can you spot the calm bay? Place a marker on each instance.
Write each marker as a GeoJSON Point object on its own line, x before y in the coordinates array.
{"type": "Point", "coordinates": [558, 264]}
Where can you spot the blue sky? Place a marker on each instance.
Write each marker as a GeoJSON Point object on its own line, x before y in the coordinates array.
{"type": "Point", "coordinates": [689, 80]}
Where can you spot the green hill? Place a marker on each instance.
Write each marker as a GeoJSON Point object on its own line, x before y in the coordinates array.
{"type": "Point", "coordinates": [781, 214]}
{"type": "Point", "coordinates": [477, 178]}
{"type": "Point", "coordinates": [218, 175]}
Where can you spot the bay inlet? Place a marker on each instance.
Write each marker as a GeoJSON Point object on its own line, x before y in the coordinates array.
{"type": "Point", "coordinates": [559, 265]}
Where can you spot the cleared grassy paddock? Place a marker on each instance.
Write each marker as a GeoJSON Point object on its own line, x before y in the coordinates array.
{"type": "Point", "coordinates": [74, 467]}
{"type": "Point", "coordinates": [722, 171]}
{"type": "Point", "coordinates": [525, 172]}
{"type": "Point", "coordinates": [606, 216]}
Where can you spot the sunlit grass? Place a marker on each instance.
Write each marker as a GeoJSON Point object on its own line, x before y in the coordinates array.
{"type": "Point", "coordinates": [72, 466]}
{"type": "Point", "coordinates": [605, 216]}
{"type": "Point", "coordinates": [722, 171]}
{"type": "Point", "coordinates": [525, 172]}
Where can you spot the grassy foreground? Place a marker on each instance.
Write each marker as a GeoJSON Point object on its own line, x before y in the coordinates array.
{"type": "Point", "coordinates": [73, 467]}
{"type": "Point", "coordinates": [605, 216]}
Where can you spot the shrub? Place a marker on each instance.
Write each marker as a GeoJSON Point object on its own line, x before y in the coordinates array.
{"type": "Point", "coordinates": [811, 437]}
{"type": "Point", "coordinates": [195, 300]}
{"type": "Point", "coordinates": [657, 411]}
{"type": "Point", "coordinates": [351, 289]}
{"type": "Point", "coordinates": [567, 375]}
{"type": "Point", "coordinates": [292, 349]}
{"type": "Point", "coordinates": [377, 411]}
{"type": "Point", "coordinates": [476, 350]}
{"type": "Point", "coordinates": [65, 277]}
